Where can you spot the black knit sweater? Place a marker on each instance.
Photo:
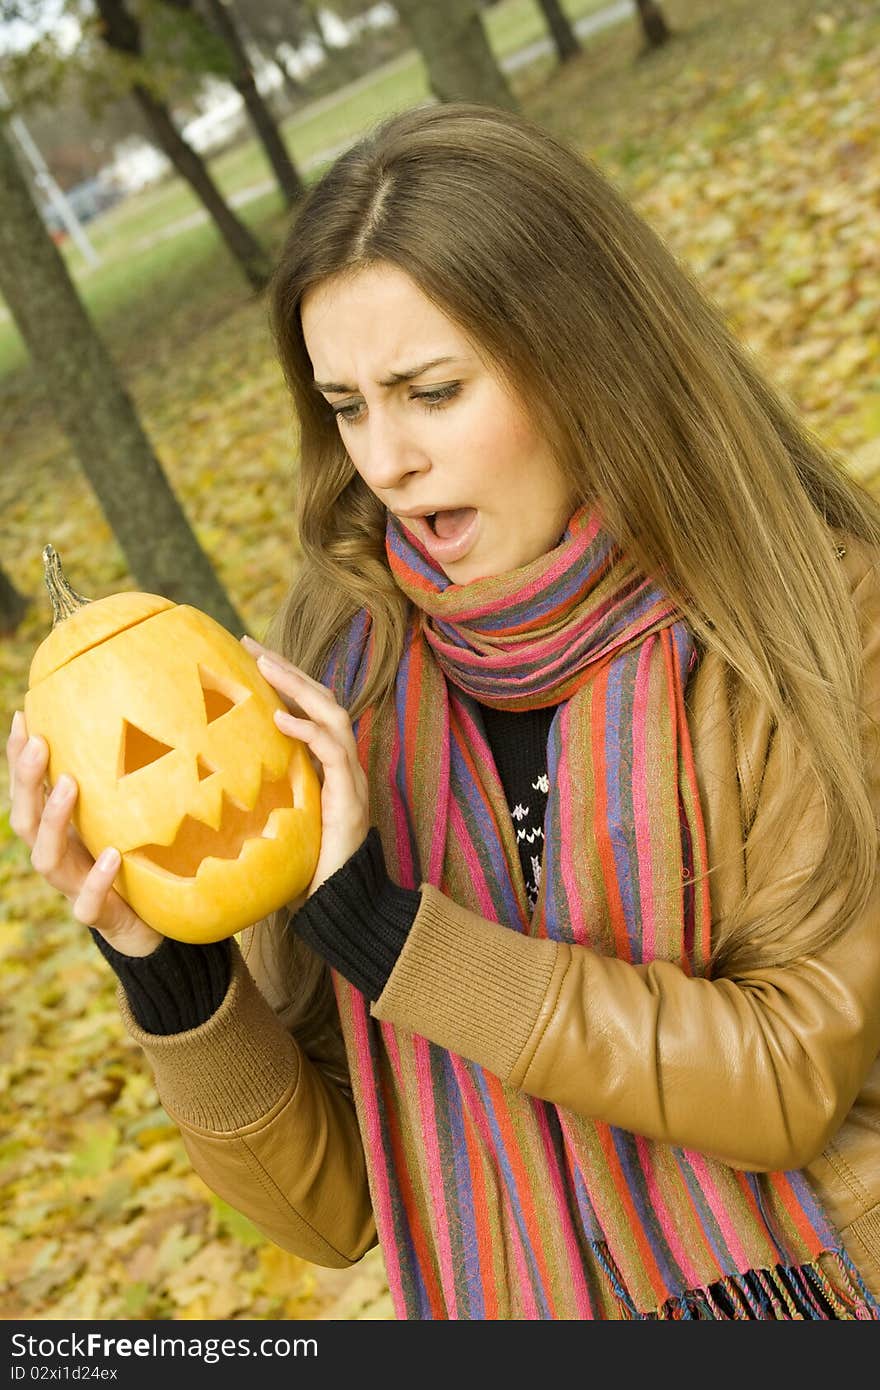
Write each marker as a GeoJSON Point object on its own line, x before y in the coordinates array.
{"type": "Point", "coordinates": [358, 920]}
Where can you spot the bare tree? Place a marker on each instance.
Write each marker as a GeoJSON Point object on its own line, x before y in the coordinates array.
{"type": "Point", "coordinates": [452, 41]}
{"type": "Point", "coordinates": [243, 80]}
{"type": "Point", "coordinates": [121, 32]}
{"type": "Point", "coordinates": [561, 29]}
{"type": "Point", "coordinates": [654, 26]}
{"type": "Point", "coordinates": [270, 25]}
{"type": "Point", "coordinates": [94, 409]}
{"type": "Point", "coordinates": [13, 605]}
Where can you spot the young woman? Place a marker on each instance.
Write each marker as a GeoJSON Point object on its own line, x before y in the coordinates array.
{"type": "Point", "coordinates": [580, 1014]}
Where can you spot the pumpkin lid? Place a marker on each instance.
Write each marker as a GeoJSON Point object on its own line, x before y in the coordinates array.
{"type": "Point", "coordinates": [89, 625]}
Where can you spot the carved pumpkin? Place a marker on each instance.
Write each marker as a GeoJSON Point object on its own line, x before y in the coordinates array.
{"type": "Point", "coordinates": [165, 722]}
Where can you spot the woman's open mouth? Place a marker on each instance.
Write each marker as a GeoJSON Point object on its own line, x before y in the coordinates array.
{"type": "Point", "coordinates": [448, 535]}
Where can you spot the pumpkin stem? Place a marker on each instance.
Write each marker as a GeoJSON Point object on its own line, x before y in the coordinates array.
{"type": "Point", "coordinates": [65, 600]}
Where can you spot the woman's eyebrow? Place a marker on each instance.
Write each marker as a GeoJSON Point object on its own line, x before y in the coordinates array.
{"type": "Point", "coordinates": [391, 380]}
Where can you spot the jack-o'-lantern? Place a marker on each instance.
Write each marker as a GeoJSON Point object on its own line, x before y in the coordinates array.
{"type": "Point", "coordinates": [166, 724]}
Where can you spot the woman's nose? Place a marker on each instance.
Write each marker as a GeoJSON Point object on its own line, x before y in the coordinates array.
{"type": "Point", "coordinates": [388, 453]}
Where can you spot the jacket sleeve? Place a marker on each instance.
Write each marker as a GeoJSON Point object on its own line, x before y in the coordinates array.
{"type": "Point", "coordinates": [758, 1070]}
{"type": "Point", "coordinates": [264, 1126]}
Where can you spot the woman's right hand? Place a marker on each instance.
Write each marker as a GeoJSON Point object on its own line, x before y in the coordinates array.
{"type": "Point", "coordinates": [57, 852]}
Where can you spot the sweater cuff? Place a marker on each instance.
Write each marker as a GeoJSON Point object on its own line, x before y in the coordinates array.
{"type": "Point", "coordinates": [178, 987]}
{"type": "Point", "coordinates": [231, 1072]}
{"type": "Point", "coordinates": [359, 919]}
{"type": "Point", "coordinates": [471, 985]}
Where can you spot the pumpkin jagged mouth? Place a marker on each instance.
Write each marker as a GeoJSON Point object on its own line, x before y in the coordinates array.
{"type": "Point", "coordinates": [195, 840]}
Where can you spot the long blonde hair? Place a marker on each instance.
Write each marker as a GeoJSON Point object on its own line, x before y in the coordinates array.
{"type": "Point", "coordinates": [703, 473]}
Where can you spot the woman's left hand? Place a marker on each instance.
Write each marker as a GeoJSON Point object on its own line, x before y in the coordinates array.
{"type": "Point", "coordinates": [315, 718]}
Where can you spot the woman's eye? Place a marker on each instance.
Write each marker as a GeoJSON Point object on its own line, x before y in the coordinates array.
{"type": "Point", "coordinates": [432, 400]}
{"type": "Point", "coordinates": [438, 396]}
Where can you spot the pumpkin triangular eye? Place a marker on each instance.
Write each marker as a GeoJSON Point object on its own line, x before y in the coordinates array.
{"type": "Point", "coordinates": [139, 749]}
{"type": "Point", "coordinates": [219, 695]}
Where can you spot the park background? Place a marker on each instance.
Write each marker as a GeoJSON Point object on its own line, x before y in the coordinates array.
{"type": "Point", "coordinates": [750, 141]}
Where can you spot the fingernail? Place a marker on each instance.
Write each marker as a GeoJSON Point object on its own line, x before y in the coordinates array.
{"type": "Point", "coordinates": [16, 722]}
{"type": "Point", "coordinates": [63, 788]}
{"type": "Point", "coordinates": [268, 659]}
{"type": "Point", "coordinates": [249, 642]}
{"type": "Point", "coordinates": [109, 859]}
{"type": "Point", "coordinates": [32, 749]}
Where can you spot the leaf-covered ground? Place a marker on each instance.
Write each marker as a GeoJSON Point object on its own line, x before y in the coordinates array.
{"type": "Point", "coordinates": [752, 144]}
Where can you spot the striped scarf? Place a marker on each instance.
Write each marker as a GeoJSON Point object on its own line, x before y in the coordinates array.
{"type": "Point", "coordinates": [489, 1202]}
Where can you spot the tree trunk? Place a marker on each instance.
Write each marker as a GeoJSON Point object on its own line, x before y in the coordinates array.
{"type": "Point", "coordinates": [295, 89]}
{"type": "Point", "coordinates": [289, 181]}
{"type": "Point", "coordinates": [121, 32]}
{"type": "Point", "coordinates": [459, 61]}
{"type": "Point", "coordinates": [95, 411]}
{"type": "Point", "coordinates": [239, 239]}
{"type": "Point", "coordinates": [654, 26]}
{"type": "Point", "coordinates": [561, 30]}
{"type": "Point", "coordinates": [13, 605]}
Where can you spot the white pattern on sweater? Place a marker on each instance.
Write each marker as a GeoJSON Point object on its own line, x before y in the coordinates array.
{"type": "Point", "coordinates": [529, 833]}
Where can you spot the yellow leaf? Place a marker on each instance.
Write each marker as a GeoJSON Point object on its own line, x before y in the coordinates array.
{"type": "Point", "coordinates": [96, 1154]}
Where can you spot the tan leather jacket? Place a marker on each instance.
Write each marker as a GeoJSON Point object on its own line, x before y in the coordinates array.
{"type": "Point", "coordinates": [777, 1069]}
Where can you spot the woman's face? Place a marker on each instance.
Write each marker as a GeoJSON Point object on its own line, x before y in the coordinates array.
{"type": "Point", "coordinates": [431, 427]}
